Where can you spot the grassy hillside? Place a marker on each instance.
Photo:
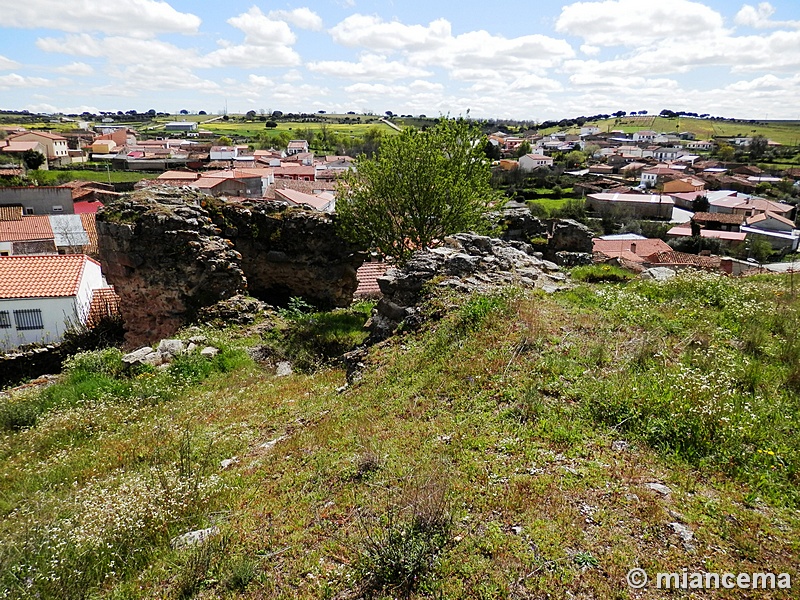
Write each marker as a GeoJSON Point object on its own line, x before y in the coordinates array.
{"type": "Point", "coordinates": [503, 452]}
{"type": "Point", "coordinates": [783, 132]}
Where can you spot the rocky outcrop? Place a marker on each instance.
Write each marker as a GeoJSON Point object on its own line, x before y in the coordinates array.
{"type": "Point", "coordinates": [170, 252]}
{"type": "Point", "coordinates": [565, 239]}
{"type": "Point", "coordinates": [166, 259]}
{"type": "Point", "coordinates": [291, 252]}
{"type": "Point", "coordinates": [466, 262]}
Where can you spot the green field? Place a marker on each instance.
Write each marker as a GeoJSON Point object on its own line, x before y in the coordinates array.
{"type": "Point", "coordinates": [54, 177]}
{"type": "Point", "coordinates": [783, 132]}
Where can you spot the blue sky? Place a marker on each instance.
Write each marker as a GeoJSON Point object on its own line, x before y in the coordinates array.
{"type": "Point", "coordinates": [527, 60]}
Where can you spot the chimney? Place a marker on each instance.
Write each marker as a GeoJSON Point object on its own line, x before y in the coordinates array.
{"type": "Point", "coordinates": [633, 247]}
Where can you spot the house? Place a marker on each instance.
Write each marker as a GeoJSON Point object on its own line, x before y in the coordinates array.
{"type": "Point", "coordinates": [590, 130]}
{"type": "Point", "coordinates": [705, 145]}
{"type": "Point", "coordinates": [731, 237]}
{"type": "Point", "coordinates": [668, 153]}
{"type": "Point", "coordinates": [683, 185]}
{"type": "Point", "coordinates": [42, 297]}
{"type": "Point", "coordinates": [658, 174]}
{"type": "Point", "coordinates": [322, 202]}
{"type": "Point", "coordinates": [770, 222]}
{"type": "Point", "coordinates": [226, 152]}
{"type": "Point", "coordinates": [26, 235]}
{"type": "Point", "coordinates": [57, 151]}
{"type": "Point", "coordinates": [18, 149]}
{"type": "Point", "coordinates": [39, 199]}
{"type": "Point", "coordinates": [644, 135]}
{"type": "Point", "coordinates": [181, 126]}
{"type": "Point", "coordinates": [656, 206]}
{"type": "Point", "coordinates": [634, 250]}
{"type": "Point", "coordinates": [296, 172]}
{"type": "Point", "coordinates": [531, 162]}
{"type": "Point", "coordinates": [718, 221]}
{"type": "Point", "coordinates": [296, 146]}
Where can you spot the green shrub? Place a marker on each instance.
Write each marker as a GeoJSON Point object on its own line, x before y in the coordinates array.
{"type": "Point", "coordinates": [601, 272]}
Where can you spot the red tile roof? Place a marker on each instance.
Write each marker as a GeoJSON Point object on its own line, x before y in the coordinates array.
{"type": "Point", "coordinates": [90, 227]}
{"type": "Point", "coordinates": [10, 213]}
{"type": "Point", "coordinates": [87, 207]}
{"type": "Point", "coordinates": [105, 303]}
{"type": "Point", "coordinates": [368, 274]}
{"type": "Point", "coordinates": [48, 276]}
{"type": "Point", "coordinates": [641, 248]}
{"type": "Point", "coordinates": [35, 227]}
{"type": "Point", "coordinates": [727, 218]}
{"type": "Point", "coordinates": [682, 258]}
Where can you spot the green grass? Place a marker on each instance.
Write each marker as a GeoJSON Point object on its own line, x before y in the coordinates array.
{"type": "Point", "coordinates": [476, 458]}
{"type": "Point", "coordinates": [56, 177]}
{"type": "Point", "coordinates": [783, 132]}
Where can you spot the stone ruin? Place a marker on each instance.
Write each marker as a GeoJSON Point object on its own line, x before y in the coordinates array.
{"type": "Point", "coordinates": [170, 252]}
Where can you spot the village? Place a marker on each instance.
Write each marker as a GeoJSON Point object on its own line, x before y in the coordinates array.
{"type": "Point", "coordinates": [50, 277]}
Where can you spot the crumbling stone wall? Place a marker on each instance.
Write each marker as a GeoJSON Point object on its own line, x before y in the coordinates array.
{"type": "Point", "coordinates": [171, 251]}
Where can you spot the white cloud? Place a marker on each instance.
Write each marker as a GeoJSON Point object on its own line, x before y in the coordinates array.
{"type": "Point", "coordinates": [370, 66]}
{"type": "Point", "coordinates": [251, 56]}
{"type": "Point", "coordinates": [7, 63]}
{"type": "Point", "coordinates": [292, 76]}
{"type": "Point", "coordinates": [78, 69]}
{"type": "Point", "coordinates": [14, 80]}
{"type": "Point", "coordinates": [120, 50]}
{"type": "Point", "coordinates": [140, 18]}
{"type": "Point", "coordinates": [304, 18]}
{"type": "Point", "coordinates": [267, 43]}
{"type": "Point", "coordinates": [259, 80]}
{"type": "Point", "coordinates": [260, 30]}
{"type": "Point", "coordinates": [758, 17]}
{"type": "Point", "coordinates": [590, 50]}
{"type": "Point", "coordinates": [637, 22]}
{"type": "Point", "coordinates": [149, 76]}
{"type": "Point", "coordinates": [378, 35]}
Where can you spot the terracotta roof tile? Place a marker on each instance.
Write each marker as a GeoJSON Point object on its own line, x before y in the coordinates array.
{"type": "Point", "coordinates": [706, 217]}
{"type": "Point", "coordinates": [682, 258]}
{"type": "Point", "coordinates": [36, 227]}
{"type": "Point", "coordinates": [368, 274]}
{"type": "Point", "coordinates": [10, 213]}
{"type": "Point", "coordinates": [105, 303]}
{"type": "Point", "coordinates": [48, 276]}
{"type": "Point", "coordinates": [89, 222]}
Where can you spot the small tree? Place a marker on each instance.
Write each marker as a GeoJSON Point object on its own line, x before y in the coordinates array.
{"type": "Point", "coordinates": [224, 141]}
{"type": "Point", "coordinates": [421, 187]}
{"type": "Point", "coordinates": [758, 146]}
{"type": "Point", "coordinates": [33, 159]}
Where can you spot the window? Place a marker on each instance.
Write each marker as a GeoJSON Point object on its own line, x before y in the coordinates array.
{"type": "Point", "coordinates": [57, 208]}
{"type": "Point", "coordinates": [29, 319]}
{"type": "Point", "coordinates": [5, 320]}
{"type": "Point", "coordinates": [29, 210]}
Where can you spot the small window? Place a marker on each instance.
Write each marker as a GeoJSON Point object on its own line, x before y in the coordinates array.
{"type": "Point", "coordinates": [58, 208]}
{"type": "Point", "coordinates": [28, 319]}
{"type": "Point", "coordinates": [29, 210]}
{"type": "Point", "coordinates": [5, 320]}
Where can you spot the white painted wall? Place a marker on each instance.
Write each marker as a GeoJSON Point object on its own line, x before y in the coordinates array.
{"type": "Point", "coordinates": [56, 313]}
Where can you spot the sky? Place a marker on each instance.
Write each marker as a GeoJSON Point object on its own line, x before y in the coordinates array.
{"type": "Point", "coordinates": [529, 60]}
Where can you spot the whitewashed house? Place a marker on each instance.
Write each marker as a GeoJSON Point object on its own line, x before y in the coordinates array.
{"type": "Point", "coordinates": [529, 162]}
{"type": "Point", "coordinates": [41, 297]}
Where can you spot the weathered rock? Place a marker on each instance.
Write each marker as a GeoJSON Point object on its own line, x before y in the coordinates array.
{"type": "Point", "coordinates": [143, 356]}
{"type": "Point", "coordinates": [209, 352]}
{"type": "Point", "coordinates": [658, 273]}
{"type": "Point", "coordinates": [659, 488]}
{"type": "Point", "coordinates": [237, 310]}
{"type": "Point", "coordinates": [560, 235]}
{"type": "Point", "coordinates": [165, 251]}
{"type": "Point", "coordinates": [686, 535]}
{"type": "Point", "coordinates": [163, 267]}
{"type": "Point", "coordinates": [283, 369]}
{"type": "Point", "coordinates": [466, 262]}
{"type": "Point", "coordinates": [170, 348]}
{"type": "Point", "coordinates": [292, 252]}
{"type": "Point", "coordinates": [194, 538]}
